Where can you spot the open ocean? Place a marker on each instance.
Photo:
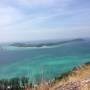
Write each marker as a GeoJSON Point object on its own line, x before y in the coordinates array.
{"type": "Point", "coordinates": [47, 61]}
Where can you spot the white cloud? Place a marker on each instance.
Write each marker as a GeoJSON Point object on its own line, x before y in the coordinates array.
{"type": "Point", "coordinates": [9, 15]}
{"type": "Point", "coordinates": [15, 24]}
{"type": "Point", "coordinates": [45, 3]}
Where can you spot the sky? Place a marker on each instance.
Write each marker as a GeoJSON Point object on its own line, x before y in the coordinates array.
{"type": "Point", "coordinates": [26, 20]}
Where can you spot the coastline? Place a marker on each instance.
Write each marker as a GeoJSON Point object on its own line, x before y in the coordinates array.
{"type": "Point", "coordinates": [73, 79]}
{"type": "Point", "coordinates": [77, 79]}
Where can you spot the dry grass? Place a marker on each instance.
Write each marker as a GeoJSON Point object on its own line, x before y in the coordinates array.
{"type": "Point", "coordinates": [77, 79]}
{"type": "Point", "coordinates": [80, 74]}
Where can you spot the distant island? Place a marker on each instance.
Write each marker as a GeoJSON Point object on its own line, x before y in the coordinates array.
{"type": "Point", "coordinates": [42, 44]}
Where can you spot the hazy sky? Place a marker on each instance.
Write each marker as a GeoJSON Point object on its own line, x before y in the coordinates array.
{"type": "Point", "coordinates": [44, 19]}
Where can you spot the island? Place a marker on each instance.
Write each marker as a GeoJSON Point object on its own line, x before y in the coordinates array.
{"type": "Point", "coordinates": [42, 44]}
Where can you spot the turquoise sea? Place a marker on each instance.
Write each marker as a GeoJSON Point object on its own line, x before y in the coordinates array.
{"type": "Point", "coordinates": [47, 61]}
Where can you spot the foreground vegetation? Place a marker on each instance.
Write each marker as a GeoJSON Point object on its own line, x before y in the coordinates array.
{"type": "Point", "coordinates": [77, 79]}
{"type": "Point", "coordinates": [14, 84]}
